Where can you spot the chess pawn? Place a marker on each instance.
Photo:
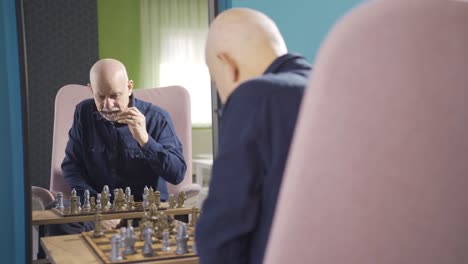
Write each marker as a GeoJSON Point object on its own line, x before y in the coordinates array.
{"type": "Point", "coordinates": [86, 202]}
{"type": "Point", "coordinates": [115, 251]}
{"type": "Point", "coordinates": [98, 226]}
{"type": "Point", "coordinates": [98, 203]}
{"type": "Point", "coordinates": [172, 201]}
{"type": "Point", "coordinates": [59, 201]}
{"type": "Point", "coordinates": [181, 239]}
{"type": "Point", "coordinates": [123, 235]}
{"type": "Point", "coordinates": [128, 193]}
{"type": "Point", "coordinates": [148, 246]}
{"type": "Point", "coordinates": [166, 243]}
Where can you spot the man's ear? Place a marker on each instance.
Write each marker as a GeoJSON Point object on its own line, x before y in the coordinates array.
{"type": "Point", "coordinates": [90, 88]}
{"type": "Point", "coordinates": [130, 87]}
{"type": "Point", "coordinates": [231, 65]}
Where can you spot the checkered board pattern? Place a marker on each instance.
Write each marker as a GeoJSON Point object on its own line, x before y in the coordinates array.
{"type": "Point", "coordinates": [102, 246]}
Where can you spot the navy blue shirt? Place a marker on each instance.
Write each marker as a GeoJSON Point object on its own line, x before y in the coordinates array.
{"type": "Point", "coordinates": [100, 152]}
{"type": "Point", "coordinates": [255, 134]}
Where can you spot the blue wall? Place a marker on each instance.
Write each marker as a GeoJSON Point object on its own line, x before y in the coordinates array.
{"type": "Point", "coordinates": [303, 23]}
{"type": "Point", "coordinates": [12, 219]}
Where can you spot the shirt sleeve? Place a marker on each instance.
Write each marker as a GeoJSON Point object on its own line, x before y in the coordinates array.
{"type": "Point", "coordinates": [73, 169]}
{"type": "Point", "coordinates": [230, 212]}
{"type": "Point", "coordinates": [163, 151]}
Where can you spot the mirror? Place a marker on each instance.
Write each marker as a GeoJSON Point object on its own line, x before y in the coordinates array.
{"type": "Point", "coordinates": [159, 41]}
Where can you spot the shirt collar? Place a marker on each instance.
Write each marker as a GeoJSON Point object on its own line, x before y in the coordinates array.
{"type": "Point", "coordinates": [280, 61]}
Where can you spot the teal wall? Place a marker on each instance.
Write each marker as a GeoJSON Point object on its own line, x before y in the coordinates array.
{"type": "Point", "coordinates": [303, 23]}
{"type": "Point", "coordinates": [12, 220]}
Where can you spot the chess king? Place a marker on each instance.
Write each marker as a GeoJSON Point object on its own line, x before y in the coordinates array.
{"type": "Point", "coordinates": [118, 140]}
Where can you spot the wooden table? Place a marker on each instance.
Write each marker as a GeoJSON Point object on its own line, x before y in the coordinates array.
{"type": "Point", "coordinates": [49, 217]}
{"type": "Point", "coordinates": [71, 249]}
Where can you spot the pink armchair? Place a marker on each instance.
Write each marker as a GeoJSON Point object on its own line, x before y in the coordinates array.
{"type": "Point", "coordinates": [378, 171]}
{"type": "Point", "coordinates": [174, 99]}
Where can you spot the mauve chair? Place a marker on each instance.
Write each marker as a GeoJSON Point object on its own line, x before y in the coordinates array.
{"type": "Point", "coordinates": [174, 99]}
{"type": "Point", "coordinates": [378, 169]}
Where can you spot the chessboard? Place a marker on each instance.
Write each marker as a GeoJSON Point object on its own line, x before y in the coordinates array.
{"type": "Point", "coordinates": [102, 246]}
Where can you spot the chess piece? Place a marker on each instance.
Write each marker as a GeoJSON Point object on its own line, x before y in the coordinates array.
{"type": "Point", "coordinates": [151, 196]}
{"type": "Point", "coordinates": [86, 202]}
{"type": "Point", "coordinates": [131, 204]}
{"type": "Point", "coordinates": [104, 200]}
{"type": "Point", "coordinates": [114, 205]}
{"type": "Point", "coordinates": [181, 199]}
{"type": "Point", "coordinates": [166, 243]}
{"type": "Point", "coordinates": [115, 251]}
{"type": "Point", "coordinates": [143, 225]}
{"type": "Point", "coordinates": [123, 236]}
{"type": "Point", "coordinates": [148, 246]}
{"type": "Point", "coordinates": [93, 203]}
{"type": "Point", "coordinates": [181, 239]}
{"type": "Point", "coordinates": [172, 201]}
{"type": "Point", "coordinates": [98, 203]}
{"type": "Point", "coordinates": [78, 204]}
{"type": "Point", "coordinates": [195, 214]}
{"type": "Point", "coordinates": [145, 201]}
{"type": "Point", "coordinates": [59, 201]}
{"type": "Point", "coordinates": [171, 224]}
{"type": "Point", "coordinates": [98, 226]}
{"type": "Point", "coordinates": [106, 204]}
{"type": "Point", "coordinates": [157, 198]}
{"type": "Point", "coordinates": [130, 241]}
{"type": "Point", "coordinates": [73, 200]}
{"type": "Point", "coordinates": [128, 193]}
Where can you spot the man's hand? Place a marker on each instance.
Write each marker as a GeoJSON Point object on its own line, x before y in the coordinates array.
{"type": "Point", "coordinates": [136, 122]}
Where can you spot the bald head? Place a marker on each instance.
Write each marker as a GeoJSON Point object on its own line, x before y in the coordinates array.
{"type": "Point", "coordinates": [108, 71]}
{"type": "Point", "coordinates": [110, 86]}
{"type": "Point", "coordinates": [241, 44]}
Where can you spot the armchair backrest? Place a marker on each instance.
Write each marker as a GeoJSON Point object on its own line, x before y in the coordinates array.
{"type": "Point", "coordinates": [377, 171]}
{"type": "Point", "coordinates": [174, 99]}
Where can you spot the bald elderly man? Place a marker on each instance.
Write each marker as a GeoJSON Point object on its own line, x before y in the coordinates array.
{"type": "Point", "coordinates": [119, 141]}
{"type": "Point", "coordinates": [261, 86]}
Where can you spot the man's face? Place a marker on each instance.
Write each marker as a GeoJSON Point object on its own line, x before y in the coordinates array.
{"type": "Point", "coordinates": [111, 98]}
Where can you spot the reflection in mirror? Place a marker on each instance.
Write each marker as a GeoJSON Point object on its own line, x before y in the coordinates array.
{"type": "Point", "coordinates": [161, 42]}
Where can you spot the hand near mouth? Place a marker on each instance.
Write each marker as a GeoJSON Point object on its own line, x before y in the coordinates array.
{"type": "Point", "coordinates": [110, 115]}
{"type": "Point", "coordinates": [136, 122]}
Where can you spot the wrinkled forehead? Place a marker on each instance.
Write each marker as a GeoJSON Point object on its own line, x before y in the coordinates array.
{"type": "Point", "coordinates": [109, 84]}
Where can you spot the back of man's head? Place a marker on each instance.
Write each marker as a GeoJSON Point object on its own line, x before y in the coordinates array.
{"type": "Point", "coordinates": [241, 44]}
